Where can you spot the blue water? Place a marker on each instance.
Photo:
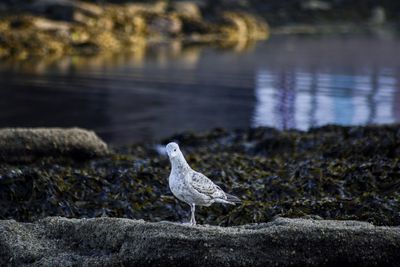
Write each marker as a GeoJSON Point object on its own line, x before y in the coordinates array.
{"type": "Point", "coordinates": [285, 82]}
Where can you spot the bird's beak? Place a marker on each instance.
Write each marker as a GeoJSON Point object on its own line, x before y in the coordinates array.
{"type": "Point", "coordinates": [161, 150]}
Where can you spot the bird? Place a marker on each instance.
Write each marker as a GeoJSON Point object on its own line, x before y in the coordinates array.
{"type": "Point", "coordinates": [192, 187]}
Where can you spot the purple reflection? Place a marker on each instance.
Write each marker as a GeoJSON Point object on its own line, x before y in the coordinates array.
{"type": "Point", "coordinates": [298, 99]}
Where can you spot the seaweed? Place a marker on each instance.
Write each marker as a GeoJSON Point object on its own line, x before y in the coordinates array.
{"type": "Point", "coordinates": [330, 172]}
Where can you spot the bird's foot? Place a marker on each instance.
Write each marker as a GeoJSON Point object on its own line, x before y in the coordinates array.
{"type": "Point", "coordinates": [192, 222]}
{"type": "Point", "coordinates": [189, 223]}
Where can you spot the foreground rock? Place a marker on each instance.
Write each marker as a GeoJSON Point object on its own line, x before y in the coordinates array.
{"type": "Point", "coordinates": [57, 241]}
{"type": "Point", "coordinates": [20, 144]}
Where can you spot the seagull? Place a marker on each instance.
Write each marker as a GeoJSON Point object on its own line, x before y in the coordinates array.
{"type": "Point", "coordinates": [193, 187]}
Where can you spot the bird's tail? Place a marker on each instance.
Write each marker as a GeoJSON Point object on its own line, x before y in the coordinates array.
{"type": "Point", "coordinates": [233, 199]}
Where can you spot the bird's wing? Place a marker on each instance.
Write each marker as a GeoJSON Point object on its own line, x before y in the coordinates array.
{"type": "Point", "coordinates": [205, 186]}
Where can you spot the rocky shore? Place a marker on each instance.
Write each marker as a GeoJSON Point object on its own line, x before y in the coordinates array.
{"type": "Point", "coordinates": [57, 241]}
{"type": "Point", "coordinates": [319, 177]}
{"type": "Point", "coordinates": [42, 28]}
{"type": "Point", "coordinates": [333, 172]}
{"type": "Point", "coordinates": [63, 27]}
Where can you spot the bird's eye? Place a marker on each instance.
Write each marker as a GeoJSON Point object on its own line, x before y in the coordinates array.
{"type": "Point", "coordinates": [175, 149]}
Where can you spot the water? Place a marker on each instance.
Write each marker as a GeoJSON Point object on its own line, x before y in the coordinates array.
{"type": "Point", "coordinates": [286, 82]}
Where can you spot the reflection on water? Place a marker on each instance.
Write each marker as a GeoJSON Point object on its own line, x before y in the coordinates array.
{"type": "Point", "coordinates": [298, 99]}
{"type": "Point", "coordinates": [161, 53]}
{"type": "Point", "coordinates": [287, 82]}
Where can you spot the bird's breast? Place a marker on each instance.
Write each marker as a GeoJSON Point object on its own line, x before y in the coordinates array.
{"type": "Point", "coordinates": [176, 184]}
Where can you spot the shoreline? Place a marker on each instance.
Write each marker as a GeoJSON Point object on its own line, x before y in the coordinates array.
{"type": "Point", "coordinates": [80, 28]}
{"type": "Point", "coordinates": [67, 198]}
{"type": "Point", "coordinates": [44, 29]}
{"type": "Point", "coordinates": [334, 172]}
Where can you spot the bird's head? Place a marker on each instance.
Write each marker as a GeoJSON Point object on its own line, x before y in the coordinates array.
{"type": "Point", "coordinates": [173, 150]}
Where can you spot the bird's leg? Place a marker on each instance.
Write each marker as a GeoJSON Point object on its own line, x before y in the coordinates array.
{"type": "Point", "coordinates": [192, 218]}
{"type": "Point", "coordinates": [191, 214]}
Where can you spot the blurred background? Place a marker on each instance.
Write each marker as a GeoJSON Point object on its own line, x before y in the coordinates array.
{"type": "Point", "coordinates": [138, 71]}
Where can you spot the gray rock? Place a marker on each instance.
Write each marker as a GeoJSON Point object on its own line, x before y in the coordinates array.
{"type": "Point", "coordinates": [187, 8]}
{"type": "Point", "coordinates": [316, 5]}
{"type": "Point", "coordinates": [65, 10]}
{"type": "Point", "coordinates": [378, 16]}
{"type": "Point", "coordinates": [26, 144]}
{"type": "Point", "coordinates": [56, 241]}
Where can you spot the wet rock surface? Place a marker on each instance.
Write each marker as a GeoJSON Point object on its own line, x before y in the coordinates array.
{"type": "Point", "coordinates": [28, 144]}
{"type": "Point", "coordinates": [349, 173]}
{"type": "Point", "coordinates": [56, 241]}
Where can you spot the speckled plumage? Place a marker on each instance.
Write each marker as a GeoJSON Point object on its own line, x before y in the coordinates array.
{"type": "Point", "coordinates": [193, 187]}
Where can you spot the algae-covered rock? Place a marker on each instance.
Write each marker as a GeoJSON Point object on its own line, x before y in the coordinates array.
{"type": "Point", "coordinates": [20, 144]}
{"type": "Point", "coordinates": [56, 241]}
{"type": "Point", "coordinates": [347, 173]}
{"type": "Point", "coordinates": [24, 36]}
{"type": "Point", "coordinates": [40, 28]}
{"type": "Point", "coordinates": [242, 25]}
{"type": "Point", "coordinates": [187, 9]}
{"type": "Point", "coordinates": [64, 10]}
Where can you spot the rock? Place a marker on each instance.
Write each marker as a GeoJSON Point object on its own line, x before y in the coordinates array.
{"type": "Point", "coordinates": [40, 28]}
{"type": "Point", "coordinates": [187, 9]}
{"type": "Point", "coordinates": [63, 9]}
{"type": "Point", "coordinates": [3, 7]}
{"type": "Point", "coordinates": [158, 7]}
{"type": "Point", "coordinates": [165, 25]}
{"type": "Point", "coordinates": [25, 144]}
{"type": "Point", "coordinates": [315, 5]}
{"type": "Point", "coordinates": [57, 241]}
{"type": "Point", "coordinates": [378, 16]}
{"type": "Point", "coordinates": [50, 25]}
{"type": "Point", "coordinates": [244, 26]}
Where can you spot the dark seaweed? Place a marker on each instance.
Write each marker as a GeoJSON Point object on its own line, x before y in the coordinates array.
{"type": "Point", "coordinates": [331, 172]}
